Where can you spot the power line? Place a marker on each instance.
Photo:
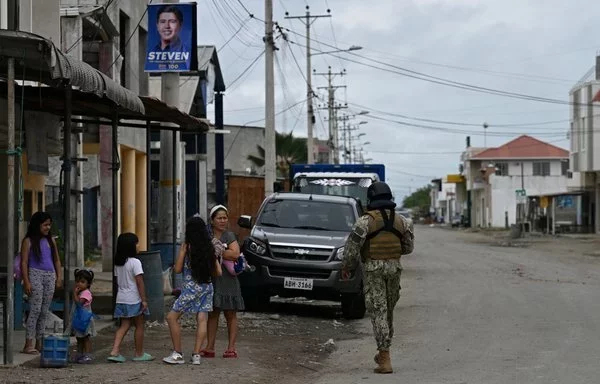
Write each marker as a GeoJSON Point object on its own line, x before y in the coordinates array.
{"type": "Point", "coordinates": [131, 35]}
{"type": "Point", "coordinates": [245, 9]}
{"type": "Point", "coordinates": [278, 113]}
{"type": "Point", "coordinates": [441, 81]}
{"type": "Point", "coordinates": [459, 131]}
{"type": "Point", "coordinates": [520, 76]}
{"type": "Point", "coordinates": [433, 153]}
{"type": "Point", "coordinates": [108, 3]}
{"type": "Point", "coordinates": [457, 123]}
{"type": "Point", "coordinates": [247, 69]}
{"type": "Point", "coordinates": [233, 36]}
{"type": "Point", "coordinates": [227, 16]}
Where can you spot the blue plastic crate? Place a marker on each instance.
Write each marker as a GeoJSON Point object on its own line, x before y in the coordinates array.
{"type": "Point", "coordinates": [55, 351]}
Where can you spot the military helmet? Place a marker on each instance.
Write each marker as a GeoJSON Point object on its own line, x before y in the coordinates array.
{"type": "Point", "coordinates": [379, 191]}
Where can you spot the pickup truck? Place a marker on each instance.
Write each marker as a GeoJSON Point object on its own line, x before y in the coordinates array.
{"type": "Point", "coordinates": [296, 245]}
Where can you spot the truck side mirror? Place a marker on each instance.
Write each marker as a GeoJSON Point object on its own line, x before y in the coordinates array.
{"type": "Point", "coordinates": [245, 221]}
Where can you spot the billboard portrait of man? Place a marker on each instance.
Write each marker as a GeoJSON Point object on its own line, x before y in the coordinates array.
{"type": "Point", "coordinates": [171, 39]}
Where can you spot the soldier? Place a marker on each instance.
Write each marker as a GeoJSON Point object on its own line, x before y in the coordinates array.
{"type": "Point", "coordinates": [378, 239]}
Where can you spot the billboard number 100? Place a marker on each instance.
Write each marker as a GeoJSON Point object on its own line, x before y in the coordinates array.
{"type": "Point", "coordinates": [173, 66]}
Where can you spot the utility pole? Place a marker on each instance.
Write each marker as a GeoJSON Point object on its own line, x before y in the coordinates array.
{"type": "Point", "coordinates": [308, 20]}
{"type": "Point", "coordinates": [7, 197]}
{"type": "Point", "coordinates": [524, 199]}
{"type": "Point", "coordinates": [270, 150]}
{"type": "Point", "coordinates": [333, 136]}
{"type": "Point", "coordinates": [345, 139]}
{"type": "Point", "coordinates": [169, 147]}
{"type": "Point", "coordinates": [485, 127]}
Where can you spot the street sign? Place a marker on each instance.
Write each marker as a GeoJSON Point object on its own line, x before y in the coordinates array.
{"type": "Point", "coordinates": [544, 202]}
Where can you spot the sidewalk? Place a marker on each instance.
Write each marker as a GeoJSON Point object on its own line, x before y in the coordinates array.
{"type": "Point", "coordinates": [19, 340]}
{"type": "Point", "coordinates": [102, 289]}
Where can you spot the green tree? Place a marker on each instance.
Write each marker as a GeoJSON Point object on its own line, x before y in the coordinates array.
{"type": "Point", "coordinates": [288, 150]}
{"type": "Point", "coordinates": [419, 201]}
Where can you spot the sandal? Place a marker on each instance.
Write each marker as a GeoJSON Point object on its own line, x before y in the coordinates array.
{"type": "Point", "coordinates": [144, 357]}
{"type": "Point", "coordinates": [207, 354]}
{"type": "Point", "coordinates": [30, 351]}
{"type": "Point", "coordinates": [116, 359]}
{"type": "Point", "coordinates": [230, 354]}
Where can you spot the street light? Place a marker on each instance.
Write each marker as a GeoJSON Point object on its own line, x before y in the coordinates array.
{"type": "Point", "coordinates": [352, 48]}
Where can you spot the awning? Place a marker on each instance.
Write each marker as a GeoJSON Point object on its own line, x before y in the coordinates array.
{"type": "Point", "coordinates": [51, 100]}
{"type": "Point", "coordinates": [558, 194]}
{"type": "Point", "coordinates": [37, 59]}
{"type": "Point", "coordinates": [454, 179]}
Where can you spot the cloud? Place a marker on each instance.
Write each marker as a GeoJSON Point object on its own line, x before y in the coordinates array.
{"type": "Point", "coordinates": [540, 39]}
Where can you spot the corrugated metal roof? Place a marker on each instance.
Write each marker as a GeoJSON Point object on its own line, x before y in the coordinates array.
{"type": "Point", "coordinates": [38, 59]}
{"type": "Point", "coordinates": [51, 100]}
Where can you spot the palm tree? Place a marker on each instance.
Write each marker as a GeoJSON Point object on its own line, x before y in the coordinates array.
{"type": "Point", "coordinates": [288, 150]}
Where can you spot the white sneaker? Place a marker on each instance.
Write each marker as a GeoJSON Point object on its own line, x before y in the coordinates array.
{"type": "Point", "coordinates": [196, 359]}
{"type": "Point", "coordinates": [174, 358]}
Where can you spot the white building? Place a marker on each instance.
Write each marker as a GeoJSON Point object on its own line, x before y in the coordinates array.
{"type": "Point", "coordinates": [443, 200]}
{"type": "Point", "coordinates": [496, 178]}
{"type": "Point", "coordinates": [585, 144]}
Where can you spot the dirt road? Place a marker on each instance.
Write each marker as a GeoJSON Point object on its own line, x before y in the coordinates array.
{"type": "Point", "coordinates": [290, 342]}
{"type": "Point", "coordinates": [475, 308]}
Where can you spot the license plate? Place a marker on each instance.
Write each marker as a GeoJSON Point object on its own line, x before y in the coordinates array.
{"type": "Point", "coordinates": [298, 283]}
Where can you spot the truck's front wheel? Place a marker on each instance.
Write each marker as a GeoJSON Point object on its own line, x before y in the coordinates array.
{"type": "Point", "coordinates": [256, 300]}
{"type": "Point", "coordinates": [353, 305]}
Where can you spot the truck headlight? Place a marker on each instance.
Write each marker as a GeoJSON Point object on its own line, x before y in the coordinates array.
{"type": "Point", "coordinates": [339, 255]}
{"type": "Point", "coordinates": [257, 247]}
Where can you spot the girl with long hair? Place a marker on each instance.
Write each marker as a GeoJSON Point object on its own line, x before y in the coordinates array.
{"type": "Point", "coordinates": [131, 304]}
{"type": "Point", "coordinates": [41, 270]}
{"type": "Point", "coordinates": [200, 260]}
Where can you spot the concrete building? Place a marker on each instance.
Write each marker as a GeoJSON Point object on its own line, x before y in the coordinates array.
{"type": "Point", "coordinates": [109, 40]}
{"type": "Point", "coordinates": [584, 175]}
{"type": "Point", "coordinates": [241, 142]}
{"type": "Point", "coordinates": [501, 179]}
{"type": "Point", "coordinates": [443, 200]}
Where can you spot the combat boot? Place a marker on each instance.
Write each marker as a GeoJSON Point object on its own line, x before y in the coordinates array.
{"type": "Point", "coordinates": [384, 363]}
{"type": "Point", "coordinates": [376, 358]}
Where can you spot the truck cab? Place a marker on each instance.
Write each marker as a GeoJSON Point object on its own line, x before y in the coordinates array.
{"type": "Point", "coordinates": [336, 179]}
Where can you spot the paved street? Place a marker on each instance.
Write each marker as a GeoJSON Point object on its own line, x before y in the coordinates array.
{"type": "Point", "coordinates": [475, 312]}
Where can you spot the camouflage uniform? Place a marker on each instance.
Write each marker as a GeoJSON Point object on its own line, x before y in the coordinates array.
{"type": "Point", "coordinates": [381, 280]}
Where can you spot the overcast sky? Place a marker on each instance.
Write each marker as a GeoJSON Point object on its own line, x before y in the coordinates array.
{"type": "Point", "coordinates": [533, 47]}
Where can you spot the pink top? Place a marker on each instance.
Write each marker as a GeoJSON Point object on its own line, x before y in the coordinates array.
{"type": "Point", "coordinates": [85, 297]}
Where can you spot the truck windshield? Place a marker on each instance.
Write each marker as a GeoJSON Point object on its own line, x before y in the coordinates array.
{"type": "Point", "coordinates": [354, 187]}
{"type": "Point", "coordinates": [308, 215]}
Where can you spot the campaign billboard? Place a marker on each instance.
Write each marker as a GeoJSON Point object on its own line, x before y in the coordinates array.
{"type": "Point", "coordinates": [171, 45]}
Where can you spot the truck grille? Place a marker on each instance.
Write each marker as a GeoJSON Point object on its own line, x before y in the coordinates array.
{"type": "Point", "coordinates": [299, 272]}
{"type": "Point", "coordinates": [301, 253]}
